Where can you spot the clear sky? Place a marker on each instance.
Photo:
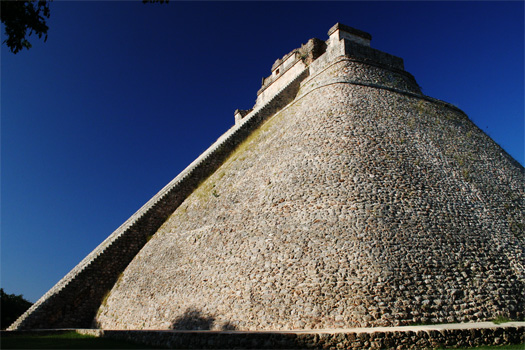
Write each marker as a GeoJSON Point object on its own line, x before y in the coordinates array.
{"type": "Point", "coordinates": [124, 95]}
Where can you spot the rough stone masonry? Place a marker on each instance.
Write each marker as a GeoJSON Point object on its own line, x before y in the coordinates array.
{"type": "Point", "coordinates": [344, 198]}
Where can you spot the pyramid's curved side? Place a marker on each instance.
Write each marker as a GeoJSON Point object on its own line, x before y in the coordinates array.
{"type": "Point", "coordinates": [362, 203]}
{"type": "Point", "coordinates": [74, 300]}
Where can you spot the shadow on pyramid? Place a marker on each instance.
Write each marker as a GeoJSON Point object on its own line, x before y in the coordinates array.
{"type": "Point", "coordinates": [344, 198]}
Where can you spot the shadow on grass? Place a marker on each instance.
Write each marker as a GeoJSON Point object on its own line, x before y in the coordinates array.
{"type": "Point", "coordinates": [69, 340]}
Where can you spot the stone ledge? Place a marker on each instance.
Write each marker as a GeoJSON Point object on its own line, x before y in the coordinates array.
{"type": "Point", "coordinates": [406, 337]}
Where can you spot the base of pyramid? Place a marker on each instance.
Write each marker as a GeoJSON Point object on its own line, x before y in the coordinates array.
{"type": "Point", "coordinates": [409, 337]}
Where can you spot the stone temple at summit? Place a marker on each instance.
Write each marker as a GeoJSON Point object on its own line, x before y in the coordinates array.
{"type": "Point", "coordinates": [344, 198]}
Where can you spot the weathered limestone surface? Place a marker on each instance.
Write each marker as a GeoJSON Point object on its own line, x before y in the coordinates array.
{"type": "Point", "coordinates": [361, 202]}
{"type": "Point", "coordinates": [353, 206]}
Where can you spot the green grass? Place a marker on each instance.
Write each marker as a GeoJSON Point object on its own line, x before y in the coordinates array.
{"type": "Point", "coordinates": [68, 340]}
{"type": "Point", "coordinates": [501, 319]}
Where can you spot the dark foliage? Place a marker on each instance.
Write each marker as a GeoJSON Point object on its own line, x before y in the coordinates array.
{"type": "Point", "coordinates": [19, 17]}
{"type": "Point", "coordinates": [12, 306]}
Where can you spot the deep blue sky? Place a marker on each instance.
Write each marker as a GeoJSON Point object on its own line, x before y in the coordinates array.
{"type": "Point", "coordinates": [123, 96]}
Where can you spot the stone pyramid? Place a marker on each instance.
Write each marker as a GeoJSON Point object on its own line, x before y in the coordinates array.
{"type": "Point", "coordinates": [344, 198]}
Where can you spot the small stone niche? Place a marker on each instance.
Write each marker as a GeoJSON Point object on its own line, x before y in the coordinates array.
{"type": "Point", "coordinates": [240, 113]}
